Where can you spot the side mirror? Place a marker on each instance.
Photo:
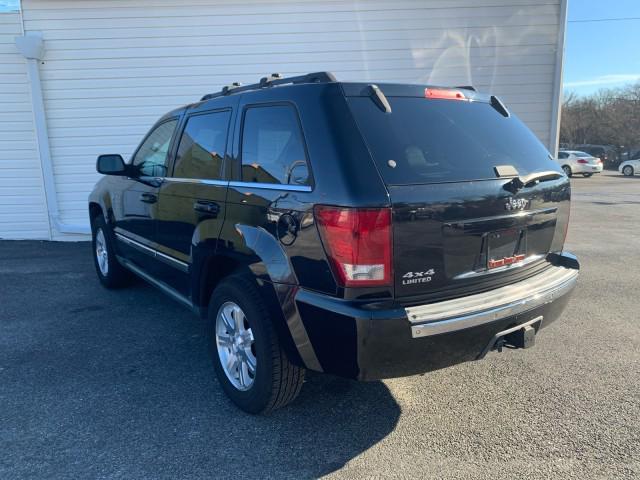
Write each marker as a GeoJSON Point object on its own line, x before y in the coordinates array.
{"type": "Point", "coordinates": [111, 165]}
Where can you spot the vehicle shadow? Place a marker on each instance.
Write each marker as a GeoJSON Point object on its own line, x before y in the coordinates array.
{"type": "Point", "coordinates": [119, 384]}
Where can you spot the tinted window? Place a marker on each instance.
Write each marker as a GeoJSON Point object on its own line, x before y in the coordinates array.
{"type": "Point", "coordinates": [563, 155]}
{"type": "Point", "coordinates": [272, 146]}
{"type": "Point", "coordinates": [151, 158]}
{"type": "Point", "coordinates": [202, 146]}
{"type": "Point", "coordinates": [431, 141]}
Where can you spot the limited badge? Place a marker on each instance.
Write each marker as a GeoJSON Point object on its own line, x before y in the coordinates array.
{"type": "Point", "coordinates": [411, 278]}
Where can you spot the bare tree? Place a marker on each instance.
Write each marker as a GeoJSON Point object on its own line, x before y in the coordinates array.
{"type": "Point", "coordinates": [608, 117]}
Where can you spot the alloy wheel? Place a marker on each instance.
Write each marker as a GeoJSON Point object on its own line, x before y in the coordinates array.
{"type": "Point", "coordinates": [236, 346]}
{"type": "Point", "coordinates": [102, 255]}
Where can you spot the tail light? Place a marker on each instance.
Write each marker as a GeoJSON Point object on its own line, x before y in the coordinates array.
{"type": "Point", "coordinates": [358, 244]}
{"type": "Point", "coordinates": [582, 160]}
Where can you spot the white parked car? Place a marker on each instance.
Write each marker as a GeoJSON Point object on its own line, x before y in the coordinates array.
{"type": "Point", "coordinates": [630, 167]}
{"type": "Point", "coordinates": [574, 162]}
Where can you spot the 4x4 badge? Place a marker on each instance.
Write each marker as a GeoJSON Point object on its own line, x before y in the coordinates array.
{"type": "Point", "coordinates": [516, 204]}
{"type": "Point", "coordinates": [411, 278]}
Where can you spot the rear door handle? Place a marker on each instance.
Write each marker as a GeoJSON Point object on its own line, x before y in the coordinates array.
{"type": "Point", "coordinates": [210, 208]}
{"type": "Point", "coordinates": [148, 197]}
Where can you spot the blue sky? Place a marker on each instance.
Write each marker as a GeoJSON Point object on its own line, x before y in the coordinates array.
{"type": "Point", "coordinates": [601, 54]}
{"type": "Point", "coordinates": [9, 5]}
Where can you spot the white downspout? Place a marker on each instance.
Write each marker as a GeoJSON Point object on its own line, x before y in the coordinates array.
{"type": "Point", "coordinates": [31, 46]}
{"type": "Point", "coordinates": [556, 108]}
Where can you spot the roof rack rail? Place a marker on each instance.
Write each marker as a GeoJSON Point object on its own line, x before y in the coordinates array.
{"type": "Point", "coordinates": [271, 80]}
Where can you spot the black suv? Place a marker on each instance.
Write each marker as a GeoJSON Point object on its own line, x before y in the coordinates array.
{"type": "Point", "coordinates": [367, 231]}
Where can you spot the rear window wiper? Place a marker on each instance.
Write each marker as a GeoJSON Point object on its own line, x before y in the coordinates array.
{"type": "Point", "coordinates": [520, 182]}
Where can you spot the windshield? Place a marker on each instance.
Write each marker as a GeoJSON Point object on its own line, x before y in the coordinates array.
{"type": "Point", "coordinates": [432, 141]}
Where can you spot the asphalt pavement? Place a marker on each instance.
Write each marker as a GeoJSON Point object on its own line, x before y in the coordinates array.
{"type": "Point", "coordinates": [118, 384]}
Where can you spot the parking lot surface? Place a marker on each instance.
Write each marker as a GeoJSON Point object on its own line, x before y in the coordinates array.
{"type": "Point", "coordinates": [118, 384]}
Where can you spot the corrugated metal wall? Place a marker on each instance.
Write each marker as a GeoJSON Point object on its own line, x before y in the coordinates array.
{"type": "Point", "coordinates": [112, 67]}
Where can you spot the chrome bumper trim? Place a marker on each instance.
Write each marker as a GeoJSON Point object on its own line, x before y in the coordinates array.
{"type": "Point", "coordinates": [474, 310]}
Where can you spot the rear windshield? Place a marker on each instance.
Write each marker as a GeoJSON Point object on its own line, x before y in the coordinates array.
{"type": "Point", "coordinates": [434, 141]}
{"type": "Point", "coordinates": [582, 154]}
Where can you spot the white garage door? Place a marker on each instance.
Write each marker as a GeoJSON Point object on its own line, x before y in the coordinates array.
{"type": "Point", "coordinates": [112, 67]}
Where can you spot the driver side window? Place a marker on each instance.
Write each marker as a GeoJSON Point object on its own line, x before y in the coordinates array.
{"type": "Point", "coordinates": [151, 158]}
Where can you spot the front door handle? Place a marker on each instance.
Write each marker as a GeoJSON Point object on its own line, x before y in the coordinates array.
{"type": "Point", "coordinates": [147, 197]}
{"type": "Point", "coordinates": [210, 208]}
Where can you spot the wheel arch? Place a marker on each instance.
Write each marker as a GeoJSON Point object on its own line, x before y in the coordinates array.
{"type": "Point", "coordinates": [95, 210]}
{"type": "Point", "coordinates": [100, 203]}
{"type": "Point", "coordinates": [260, 254]}
{"type": "Point", "coordinates": [262, 258]}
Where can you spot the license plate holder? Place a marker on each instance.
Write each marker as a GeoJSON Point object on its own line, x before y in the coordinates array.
{"type": "Point", "coordinates": [505, 247]}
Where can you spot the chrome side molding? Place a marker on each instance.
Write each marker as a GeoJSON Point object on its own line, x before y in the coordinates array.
{"type": "Point", "coordinates": [163, 257]}
{"type": "Point", "coordinates": [272, 186]}
{"type": "Point", "coordinates": [237, 184]}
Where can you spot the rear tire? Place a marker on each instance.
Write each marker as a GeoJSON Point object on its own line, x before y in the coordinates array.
{"type": "Point", "coordinates": [587, 175]}
{"type": "Point", "coordinates": [110, 273]}
{"type": "Point", "coordinates": [627, 171]}
{"type": "Point", "coordinates": [567, 170]}
{"type": "Point", "coordinates": [258, 376]}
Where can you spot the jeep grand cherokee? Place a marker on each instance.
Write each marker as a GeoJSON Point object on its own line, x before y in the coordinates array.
{"type": "Point", "coordinates": [361, 230]}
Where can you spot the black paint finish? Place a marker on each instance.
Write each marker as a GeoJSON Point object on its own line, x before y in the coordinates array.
{"type": "Point", "coordinates": [191, 232]}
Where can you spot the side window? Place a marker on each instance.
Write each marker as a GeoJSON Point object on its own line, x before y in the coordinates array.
{"type": "Point", "coordinates": [272, 146]}
{"type": "Point", "coordinates": [151, 158]}
{"type": "Point", "coordinates": [202, 146]}
{"type": "Point", "coordinates": [563, 155]}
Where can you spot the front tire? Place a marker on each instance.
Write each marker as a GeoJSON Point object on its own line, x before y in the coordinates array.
{"type": "Point", "coordinates": [627, 171]}
{"type": "Point", "coordinates": [567, 170]}
{"type": "Point", "coordinates": [110, 273]}
{"type": "Point", "coordinates": [249, 361]}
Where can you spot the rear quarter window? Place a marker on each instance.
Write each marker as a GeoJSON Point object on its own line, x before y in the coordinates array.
{"type": "Point", "coordinates": [433, 141]}
{"type": "Point", "coordinates": [273, 149]}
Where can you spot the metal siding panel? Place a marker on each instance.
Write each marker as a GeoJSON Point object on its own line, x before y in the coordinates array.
{"type": "Point", "coordinates": [23, 212]}
{"type": "Point", "coordinates": [113, 67]}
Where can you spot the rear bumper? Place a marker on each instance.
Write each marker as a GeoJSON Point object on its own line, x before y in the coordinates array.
{"type": "Point", "coordinates": [587, 168]}
{"type": "Point", "coordinates": [368, 342]}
